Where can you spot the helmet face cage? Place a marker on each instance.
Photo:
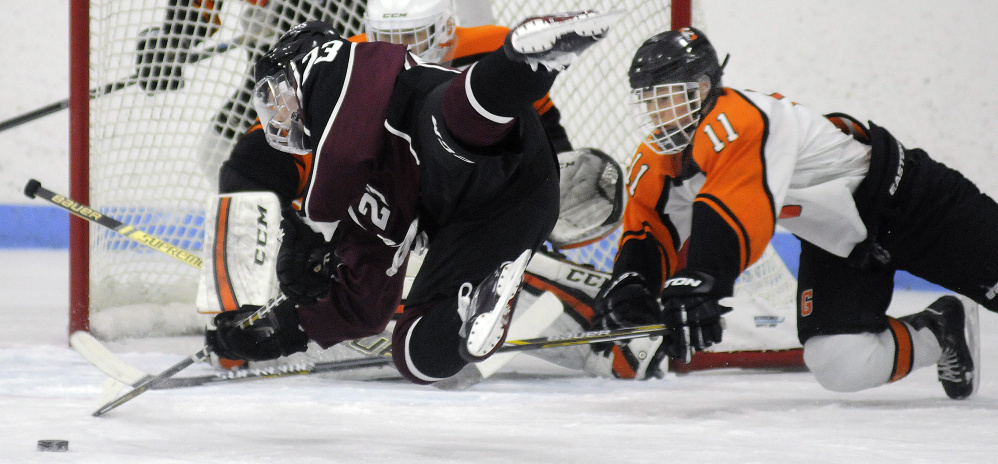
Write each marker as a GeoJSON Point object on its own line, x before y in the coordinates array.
{"type": "Point", "coordinates": [428, 30]}
{"type": "Point", "coordinates": [280, 111]}
{"type": "Point", "coordinates": [673, 111]}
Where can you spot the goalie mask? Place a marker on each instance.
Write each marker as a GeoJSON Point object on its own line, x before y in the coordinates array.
{"type": "Point", "coordinates": [675, 78]}
{"type": "Point", "coordinates": [427, 27]}
{"type": "Point", "coordinates": [277, 96]}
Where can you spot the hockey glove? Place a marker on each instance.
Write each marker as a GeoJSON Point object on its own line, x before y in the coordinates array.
{"type": "Point", "coordinates": [306, 262]}
{"type": "Point", "coordinates": [159, 60]}
{"type": "Point", "coordinates": [275, 334]}
{"type": "Point", "coordinates": [626, 302]}
{"type": "Point", "coordinates": [692, 313]}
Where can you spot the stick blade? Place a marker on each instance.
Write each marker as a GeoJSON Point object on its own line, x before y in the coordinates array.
{"type": "Point", "coordinates": [94, 352]}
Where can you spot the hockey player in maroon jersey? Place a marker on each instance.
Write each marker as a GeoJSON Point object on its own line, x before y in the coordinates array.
{"type": "Point", "coordinates": [722, 167]}
{"type": "Point", "coordinates": [404, 150]}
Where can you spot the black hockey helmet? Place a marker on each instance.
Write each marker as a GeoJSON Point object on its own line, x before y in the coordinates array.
{"type": "Point", "coordinates": [676, 79]}
{"type": "Point", "coordinates": [675, 56]}
{"type": "Point", "coordinates": [277, 95]}
{"type": "Point", "coordinates": [296, 42]}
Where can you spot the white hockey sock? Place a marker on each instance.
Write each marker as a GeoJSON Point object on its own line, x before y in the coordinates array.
{"type": "Point", "coordinates": [854, 362]}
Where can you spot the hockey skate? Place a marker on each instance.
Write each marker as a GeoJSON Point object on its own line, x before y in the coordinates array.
{"type": "Point", "coordinates": [487, 310]}
{"type": "Point", "coordinates": [556, 40]}
{"type": "Point", "coordinates": [956, 327]}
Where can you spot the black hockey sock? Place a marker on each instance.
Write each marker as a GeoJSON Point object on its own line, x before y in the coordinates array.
{"type": "Point", "coordinates": [432, 344]}
{"type": "Point", "coordinates": [503, 86]}
{"type": "Point", "coordinates": [500, 90]}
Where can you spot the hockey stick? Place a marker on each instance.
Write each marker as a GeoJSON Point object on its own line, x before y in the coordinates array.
{"type": "Point", "coordinates": [141, 382]}
{"type": "Point", "coordinates": [208, 52]}
{"type": "Point", "coordinates": [120, 371]}
{"type": "Point", "coordinates": [34, 189]}
{"type": "Point", "coordinates": [200, 356]}
{"type": "Point", "coordinates": [151, 382]}
{"type": "Point", "coordinates": [593, 336]}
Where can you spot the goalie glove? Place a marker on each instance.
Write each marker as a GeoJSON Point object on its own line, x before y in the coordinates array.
{"type": "Point", "coordinates": [306, 262]}
{"type": "Point", "coordinates": [692, 312]}
{"type": "Point", "coordinates": [159, 60]}
{"type": "Point", "coordinates": [277, 333]}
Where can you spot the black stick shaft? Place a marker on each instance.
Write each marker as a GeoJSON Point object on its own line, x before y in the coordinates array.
{"type": "Point", "coordinates": [153, 381]}
{"type": "Point", "coordinates": [200, 356]}
{"type": "Point", "coordinates": [108, 88]}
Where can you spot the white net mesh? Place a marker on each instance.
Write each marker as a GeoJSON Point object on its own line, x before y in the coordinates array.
{"type": "Point", "coordinates": [154, 156]}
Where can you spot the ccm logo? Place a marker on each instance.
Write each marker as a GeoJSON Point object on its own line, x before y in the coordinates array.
{"type": "Point", "coordinates": [585, 278]}
{"type": "Point", "coordinates": [260, 256]}
{"type": "Point", "coordinates": [682, 282]}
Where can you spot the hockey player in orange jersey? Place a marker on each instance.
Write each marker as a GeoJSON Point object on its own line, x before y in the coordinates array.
{"type": "Point", "coordinates": [722, 167]}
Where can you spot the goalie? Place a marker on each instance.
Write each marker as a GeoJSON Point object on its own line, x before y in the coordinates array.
{"type": "Point", "coordinates": [401, 151]}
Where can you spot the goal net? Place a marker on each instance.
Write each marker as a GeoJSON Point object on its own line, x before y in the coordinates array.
{"type": "Point", "coordinates": [153, 153]}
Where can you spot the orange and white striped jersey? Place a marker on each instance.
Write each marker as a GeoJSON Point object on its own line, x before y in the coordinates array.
{"type": "Point", "coordinates": [756, 159]}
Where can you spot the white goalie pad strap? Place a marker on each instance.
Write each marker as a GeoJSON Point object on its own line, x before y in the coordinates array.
{"type": "Point", "coordinates": [592, 198]}
{"type": "Point", "coordinates": [240, 246]}
{"type": "Point", "coordinates": [567, 273]}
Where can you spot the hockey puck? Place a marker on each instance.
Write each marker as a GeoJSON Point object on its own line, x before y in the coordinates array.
{"type": "Point", "coordinates": [53, 445]}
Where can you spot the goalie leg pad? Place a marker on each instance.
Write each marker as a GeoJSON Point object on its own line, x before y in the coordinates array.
{"type": "Point", "coordinates": [241, 246]}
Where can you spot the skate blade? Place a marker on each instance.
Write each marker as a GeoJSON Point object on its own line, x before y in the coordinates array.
{"type": "Point", "coordinates": [973, 328]}
{"type": "Point", "coordinates": [540, 36]}
{"type": "Point", "coordinates": [496, 322]}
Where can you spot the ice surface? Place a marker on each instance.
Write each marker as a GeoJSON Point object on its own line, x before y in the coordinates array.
{"type": "Point", "coordinates": [921, 68]}
{"type": "Point", "coordinates": [529, 412]}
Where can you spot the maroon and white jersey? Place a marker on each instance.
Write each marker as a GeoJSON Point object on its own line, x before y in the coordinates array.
{"type": "Point", "coordinates": [364, 178]}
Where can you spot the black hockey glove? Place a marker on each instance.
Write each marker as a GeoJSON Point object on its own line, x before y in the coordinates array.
{"type": "Point", "coordinates": [306, 262]}
{"type": "Point", "coordinates": [626, 302]}
{"type": "Point", "coordinates": [275, 334]}
{"type": "Point", "coordinates": [159, 60]}
{"type": "Point", "coordinates": [692, 313]}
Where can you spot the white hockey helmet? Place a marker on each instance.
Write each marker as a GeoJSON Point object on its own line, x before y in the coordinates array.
{"type": "Point", "coordinates": [426, 26]}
